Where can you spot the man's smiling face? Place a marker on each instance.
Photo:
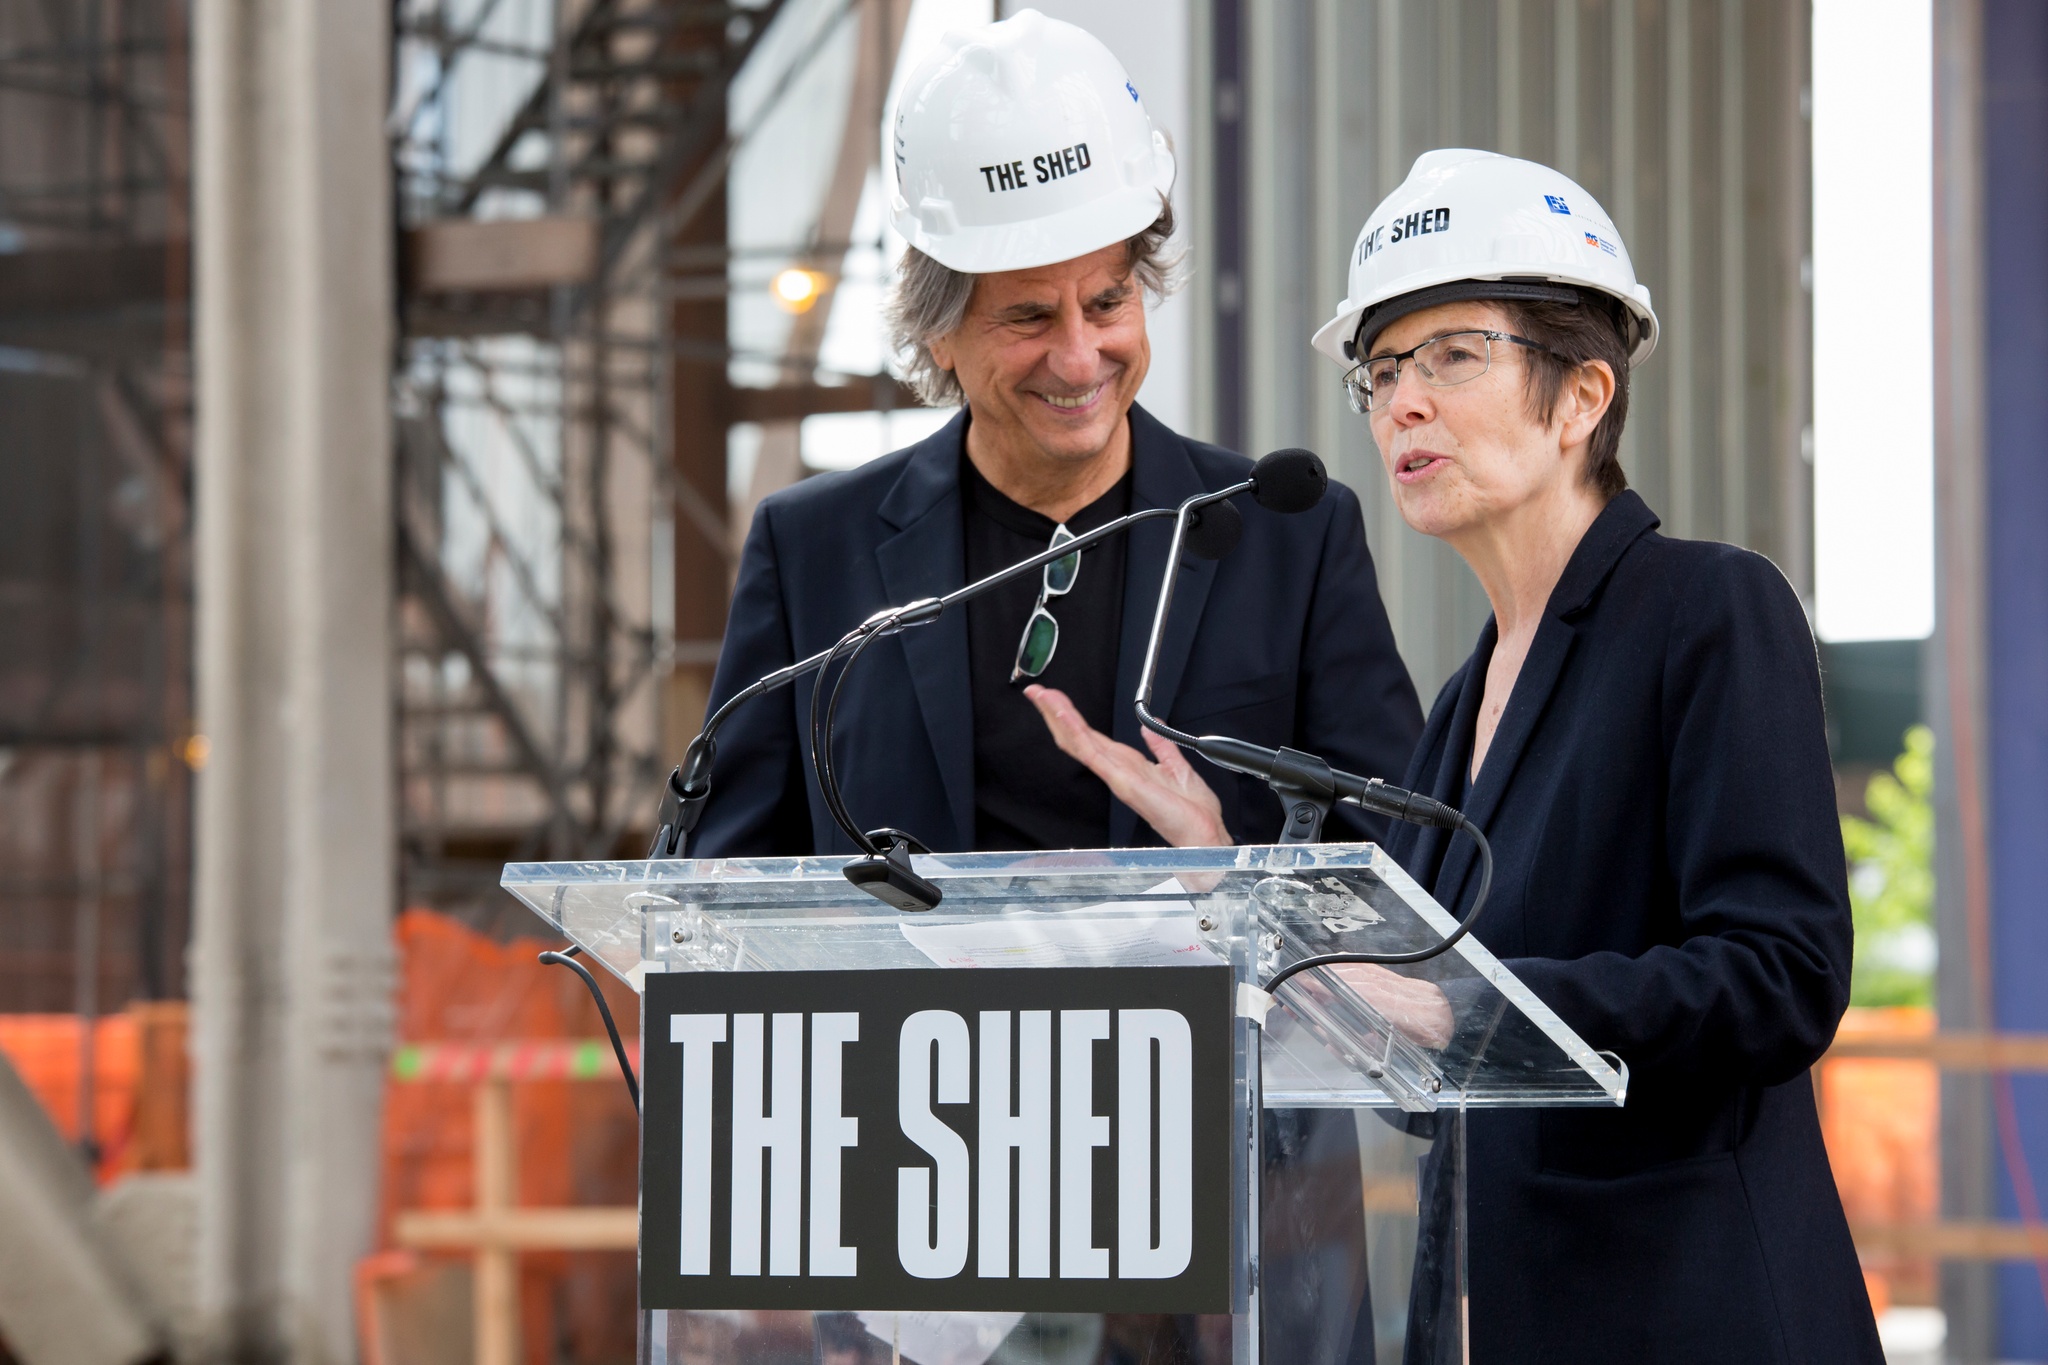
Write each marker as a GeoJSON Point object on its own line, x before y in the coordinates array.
{"type": "Point", "coordinates": [1051, 358]}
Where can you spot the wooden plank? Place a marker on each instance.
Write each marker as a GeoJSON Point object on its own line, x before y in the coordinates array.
{"type": "Point", "coordinates": [869, 393]}
{"type": "Point", "coordinates": [507, 255]}
{"type": "Point", "coordinates": [522, 1229]}
{"type": "Point", "coordinates": [1954, 1241]}
{"type": "Point", "coordinates": [71, 279]}
{"type": "Point", "coordinates": [497, 1271]}
{"type": "Point", "coordinates": [1953, 1051]}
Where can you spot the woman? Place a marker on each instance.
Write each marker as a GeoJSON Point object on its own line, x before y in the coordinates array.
{"type": "Point", "coordinates": [1639, 733]}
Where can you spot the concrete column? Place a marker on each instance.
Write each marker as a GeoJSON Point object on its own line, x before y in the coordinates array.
{"type": "Point", "coordinates": [291, 974]}
{"type": "Point", "coordinates": [1955, 682]}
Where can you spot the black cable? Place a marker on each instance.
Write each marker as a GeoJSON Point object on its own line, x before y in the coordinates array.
{"type": "Point", "coordinates": [825, 789]}
{"type": "Point", "coordinates": [830, 771]}
{"type": "Point", "coordinates": [1274, 982]}
{"type": "Point", "coordinates": [568, 960]}
{"type": "Point", "coordinates": [821, 741]}
{"type": "Point", "coordinates": [821, 760]}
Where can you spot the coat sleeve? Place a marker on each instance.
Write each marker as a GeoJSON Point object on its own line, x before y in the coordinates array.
{"type": "Point", "coordinates": [1757, 979]}
{"type": "Point", "coordinates": [758, 805]}
{"type": "Point", "coordinates": [1357, 705]}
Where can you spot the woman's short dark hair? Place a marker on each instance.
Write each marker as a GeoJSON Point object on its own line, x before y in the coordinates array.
{"type": "Point", "coordinates": [1591, 329]}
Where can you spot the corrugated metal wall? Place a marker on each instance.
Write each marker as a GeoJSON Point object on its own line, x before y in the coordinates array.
{"type": "Point", "coordinates": [1685, 118]}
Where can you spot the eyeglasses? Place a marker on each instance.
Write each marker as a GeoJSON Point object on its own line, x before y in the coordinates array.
{"type": "Point", "coordinates": [1042, 631]}
{"type": "Point", "coordinates": [1458, 358]}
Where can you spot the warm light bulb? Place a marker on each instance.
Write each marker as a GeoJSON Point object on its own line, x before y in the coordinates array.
{"type": "Point", "coordinates": [796, 290]}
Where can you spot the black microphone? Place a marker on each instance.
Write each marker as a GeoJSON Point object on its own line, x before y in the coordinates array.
{"type": "Point", "coordinates": [1209, 528]}
{"type": "Point", "coordinates": [1289, 481]}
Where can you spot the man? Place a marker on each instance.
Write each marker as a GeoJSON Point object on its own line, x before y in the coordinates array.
{"type": "Point", "coordinates": [1033, 192]}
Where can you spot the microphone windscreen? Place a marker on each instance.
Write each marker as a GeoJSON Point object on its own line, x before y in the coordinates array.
{"type": "Point", "coordinates": [1290, 481]}
{"type": "Point", "coordinates": [1214, 531]}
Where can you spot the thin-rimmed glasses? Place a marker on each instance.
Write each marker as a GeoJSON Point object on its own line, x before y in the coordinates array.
{"type": "Point", "coordinates": [1455, 358]}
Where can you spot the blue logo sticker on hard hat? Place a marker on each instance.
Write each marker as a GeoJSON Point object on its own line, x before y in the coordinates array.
{"type": "Point", "coordinates": [1595, 240]}
{"type": "Point", "coordinates": [1557, 205]}
{"type": "Point", "coordinates": [1134, 91]}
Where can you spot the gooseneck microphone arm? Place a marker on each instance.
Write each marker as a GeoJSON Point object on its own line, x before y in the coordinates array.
{"type": "Point", "coordinates": [689, 785]}
{"type": "Point", "coordinates": [1307, 784]}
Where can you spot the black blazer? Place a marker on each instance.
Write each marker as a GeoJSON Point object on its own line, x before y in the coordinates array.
{"type": "Point", "coordinates": [1284, 642]}
{"type": "Point", "coordinates": [1670, 879]}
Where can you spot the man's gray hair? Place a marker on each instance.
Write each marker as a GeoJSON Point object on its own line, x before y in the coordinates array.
{"type": "Point", "coordinates": [930, 300]}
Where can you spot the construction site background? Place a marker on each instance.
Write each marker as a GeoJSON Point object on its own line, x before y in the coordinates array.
{"type": "Point", "coordinates": [340, 567]}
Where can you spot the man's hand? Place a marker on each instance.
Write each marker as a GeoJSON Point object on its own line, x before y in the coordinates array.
{"type": "Point", "coordinates": [1168, 795]}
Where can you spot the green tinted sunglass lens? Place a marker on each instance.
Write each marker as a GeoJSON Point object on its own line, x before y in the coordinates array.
{"type": "Point", "coordinates": [1039, 638]}
{"type": "Point", "coordinates": [1059, 575]}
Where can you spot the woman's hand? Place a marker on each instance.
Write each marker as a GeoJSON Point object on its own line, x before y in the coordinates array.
{"type": "Point", "coordinates": [1419, 1009]}
{"type": "Point", "coordinates": [1168, 795]}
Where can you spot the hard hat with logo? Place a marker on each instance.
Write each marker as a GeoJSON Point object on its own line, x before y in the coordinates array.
{"type": "Point", "coordinates": [1479, 225]}
{"type": "Point", "coordinates": [1024, 143]}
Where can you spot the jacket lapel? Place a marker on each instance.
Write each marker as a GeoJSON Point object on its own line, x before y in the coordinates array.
{"type": "Point", "coordinates": [926, 557]}
{"type": "Point", "coordinates": [1443, 782]}
{"type": "Point", "coordinates": [1533, 686]}
{"type": "Point", "coordinates": [1625, 518]}
{"type": "Point", "coordinates": [1162, 475]}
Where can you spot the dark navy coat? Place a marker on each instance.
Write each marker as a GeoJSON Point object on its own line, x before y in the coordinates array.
{"type": "Point", "coordinates": [1284, 642]}
{"type": "Point", "coordinates": [1670, 879]}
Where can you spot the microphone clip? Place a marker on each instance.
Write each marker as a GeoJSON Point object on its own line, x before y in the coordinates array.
{"type": "Point", "coordinates": [887, 875]}
{"type": "Point", "coordinates": [1307, 787]}
{"type": "Point", "coordinates": [682, 800]}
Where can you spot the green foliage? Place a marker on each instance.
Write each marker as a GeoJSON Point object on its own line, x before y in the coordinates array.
{"type": "Point", "coordinates": [1891, 880]}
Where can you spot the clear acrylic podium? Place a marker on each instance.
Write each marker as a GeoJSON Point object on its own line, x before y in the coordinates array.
{"type": "Point", "coordinates": [1333, 1039]}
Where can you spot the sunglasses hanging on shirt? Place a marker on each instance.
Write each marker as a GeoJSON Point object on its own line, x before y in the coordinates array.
{"type": "Point", "coordinates": [1042, 631]}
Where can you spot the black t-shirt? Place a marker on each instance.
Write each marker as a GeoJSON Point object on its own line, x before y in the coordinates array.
{"type": "Point", "coordinates": [1027, 794]}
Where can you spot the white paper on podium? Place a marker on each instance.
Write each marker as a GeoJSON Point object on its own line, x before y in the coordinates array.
{"type": "Point", "coordinates": [1149, 934]}
{"type": "Point", "coordinates": [942, 1338]}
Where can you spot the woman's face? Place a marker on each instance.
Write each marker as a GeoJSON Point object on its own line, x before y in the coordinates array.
{"type": "Point", "coordinates": [1462, 456]}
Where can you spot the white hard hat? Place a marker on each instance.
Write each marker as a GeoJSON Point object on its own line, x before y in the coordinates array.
{"type": "Point", "coordinates": [1479, 225]}
{"type": "Point", "coordinates": [1021, 144]}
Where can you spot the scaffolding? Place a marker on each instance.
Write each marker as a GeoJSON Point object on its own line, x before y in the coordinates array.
{"type": "Point", "coordinates": [529, 402]}
{"type": "Point", "coordinates": [563, 389]}
{"type": "Point", "coordinates": [96, 747]}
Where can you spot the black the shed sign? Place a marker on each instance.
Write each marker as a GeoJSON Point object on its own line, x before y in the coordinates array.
{"type": "Point", "coordinates": [1054, 1140]}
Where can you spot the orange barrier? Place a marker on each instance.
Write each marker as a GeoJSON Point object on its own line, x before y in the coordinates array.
{"type": "Point", "coordinates": [1881, 1120]}
{"type": "Point", "coordinates": [139, 1081]}
{"type": "Point", "coordinates": [462, 999]}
